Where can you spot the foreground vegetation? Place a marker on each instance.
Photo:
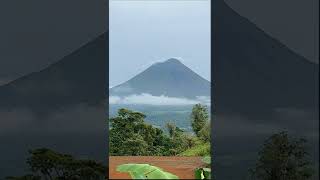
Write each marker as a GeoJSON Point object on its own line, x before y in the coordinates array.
{"type": "Point", "coordinates": [197, 150]}
{"type": "Point", "coordinates": [51, 165]}
{"type": "Point", "coordinates": [131, 136]}
{"type": "Point", "coordinates": [283, 157]}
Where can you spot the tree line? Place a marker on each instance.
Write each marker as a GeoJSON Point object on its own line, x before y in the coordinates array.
{"type": "Point", "coordinates": [131, 136]}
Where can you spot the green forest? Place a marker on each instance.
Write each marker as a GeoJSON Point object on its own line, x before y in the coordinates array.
{"type": "Point", "coordinates": [130, 135]}
{"type": "Point", "coordinates": [159, 116]}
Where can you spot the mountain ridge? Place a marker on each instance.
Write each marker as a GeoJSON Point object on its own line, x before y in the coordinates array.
{"type": "Point", "coordinates": [170, 78]}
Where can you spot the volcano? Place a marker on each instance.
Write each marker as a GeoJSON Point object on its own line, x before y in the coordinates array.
{"type": "Point", "coordinates": [169, 78]}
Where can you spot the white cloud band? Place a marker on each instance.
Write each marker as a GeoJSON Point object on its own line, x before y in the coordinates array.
{"type": "Point", "coordinates": [148, 99]}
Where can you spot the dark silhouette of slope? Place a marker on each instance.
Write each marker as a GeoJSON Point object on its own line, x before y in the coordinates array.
{"type": "Point", "coordinates": [254, 72]}
{"type": "Point", "coordinates": [77, 78]}
{"type": "Point", "coordinates": [170, 78]}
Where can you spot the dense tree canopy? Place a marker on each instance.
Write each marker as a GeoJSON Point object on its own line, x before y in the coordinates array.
{"type": "Point", "coordinates": [47, 164]}
{"type": "Point", "coordinates": [130, 135]}
{"type": "Point", "coordinates": [283, 158]}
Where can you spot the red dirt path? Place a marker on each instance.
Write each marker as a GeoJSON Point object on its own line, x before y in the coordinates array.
{"type": "Point", "coordinates": [183, 167]}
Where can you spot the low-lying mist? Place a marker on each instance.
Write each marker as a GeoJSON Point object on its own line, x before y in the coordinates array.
{"type": "Point", "coordinates": [148, 99]}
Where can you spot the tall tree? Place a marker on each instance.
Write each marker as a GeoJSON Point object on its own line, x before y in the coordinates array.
{"type": "Point", "coordinates": [123, 128]}
{"type": "Point", "coordinates": [199, 118]}
{"type": "Point", "coordinates": [171, 129]}
{"type": "Point", "coordinates": [283, 158]}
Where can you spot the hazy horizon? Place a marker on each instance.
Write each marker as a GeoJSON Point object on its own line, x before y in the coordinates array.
{"type": "Point", "coordinates": [143, 33]}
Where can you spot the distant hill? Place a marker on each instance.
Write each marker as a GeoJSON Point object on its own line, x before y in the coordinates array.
{"type": "Point", "coordinates": [170, 78]}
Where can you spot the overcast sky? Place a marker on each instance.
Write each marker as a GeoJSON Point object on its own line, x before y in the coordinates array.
{"type": "Point", "coordinates": [142, 33]}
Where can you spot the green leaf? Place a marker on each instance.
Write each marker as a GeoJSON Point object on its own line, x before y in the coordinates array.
{"type": "Point", "coordinates": [133, 167]}
{"type": "Point", "coordinates": [145, 171]}
{"type": "Point", "coordinates": [160, 174]}
{"type": "Point", "coordinates": [198, 173]}
{"type": "Point", "coordinates": [207, 173]}
{"type": "Point", "coordinates": [136, 175]}
{"type": "Point", "coordinates": [202, 173]}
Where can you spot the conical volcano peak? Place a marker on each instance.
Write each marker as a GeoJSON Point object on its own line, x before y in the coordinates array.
{"type": "Point", "coordinates": [171, 78]}
{"type": "Point", "coordinates": [171, 61]}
